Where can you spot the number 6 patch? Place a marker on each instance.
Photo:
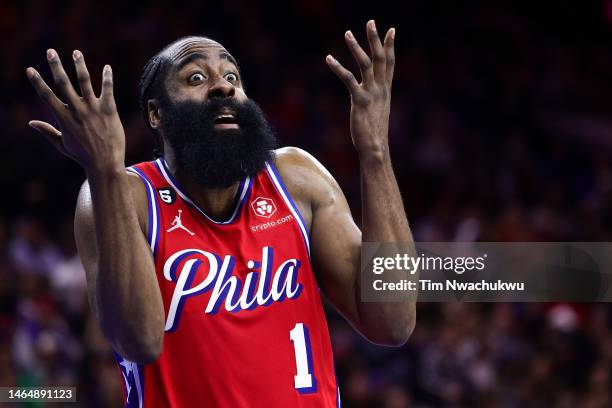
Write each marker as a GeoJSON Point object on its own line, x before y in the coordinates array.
{"type": "Point", "coordinates": [167, 195]}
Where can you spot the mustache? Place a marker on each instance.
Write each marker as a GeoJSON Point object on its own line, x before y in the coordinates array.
{"type": "Point", "coordinates": [210, 109]}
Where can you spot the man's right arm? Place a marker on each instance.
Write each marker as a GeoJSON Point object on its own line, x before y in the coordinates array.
{"type": "Point", "coordinates": [110, 229]}
{"type": "Point", "coordinates": [122, 285]}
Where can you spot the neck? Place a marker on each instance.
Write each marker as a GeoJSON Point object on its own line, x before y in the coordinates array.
{"type": "Point", "coordinates": [217, 203]}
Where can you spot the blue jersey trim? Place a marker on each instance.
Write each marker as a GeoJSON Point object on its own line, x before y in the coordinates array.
{"type": "Point", "coordinates": [280, 187]}
{"type": "Point", "coordinates": [153, 232]}
{"type": "Point", "coordinates": [338, 401]}
{"type": "Point", "coordinates": [244, 190]}
{"type": "Point", "coordinates": [133, 377]}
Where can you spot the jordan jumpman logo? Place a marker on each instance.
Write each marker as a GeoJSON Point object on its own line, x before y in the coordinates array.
{"type": "Point", "coordinates": [177, 223]}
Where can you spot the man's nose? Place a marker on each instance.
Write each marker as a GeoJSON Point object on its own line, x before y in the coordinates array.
{"type": "Point", "coordinates": [221, 89]}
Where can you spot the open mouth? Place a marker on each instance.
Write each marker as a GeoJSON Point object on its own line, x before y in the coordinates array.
{"type": "Point", "coordinates": [226, 120]}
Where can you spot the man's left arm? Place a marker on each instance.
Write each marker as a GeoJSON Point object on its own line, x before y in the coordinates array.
{"type": "Point", "coordinates": [336, 242]}
{"type": "Point", "coordinates": [383, 216]}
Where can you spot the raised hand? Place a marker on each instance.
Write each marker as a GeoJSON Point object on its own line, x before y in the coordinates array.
{"type": "Point", "coordinates": [90, 129]}
{"type": "Point", "coordinates": [370, 99]}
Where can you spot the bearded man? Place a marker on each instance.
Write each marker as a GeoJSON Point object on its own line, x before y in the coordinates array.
{"type": "Point", "coordinates": [205, 266]}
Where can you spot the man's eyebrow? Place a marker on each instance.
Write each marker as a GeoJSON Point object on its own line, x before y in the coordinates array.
{"type": "Point", "coordinates": [198, 55]}
{"type": "Point", "coordinates": [190, 58]}
{"type": "Point", "coordinates": [226, 55]}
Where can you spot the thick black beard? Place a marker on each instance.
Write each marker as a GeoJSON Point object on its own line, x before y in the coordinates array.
{"type": "Point", "coordinates": [217, 158]}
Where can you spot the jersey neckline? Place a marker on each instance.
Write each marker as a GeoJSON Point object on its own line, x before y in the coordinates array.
{"type": "Point", "coordinates": [244, 190]}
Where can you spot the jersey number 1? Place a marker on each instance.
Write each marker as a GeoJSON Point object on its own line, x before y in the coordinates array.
{"type": "Point", "coordinates": [304, 381]}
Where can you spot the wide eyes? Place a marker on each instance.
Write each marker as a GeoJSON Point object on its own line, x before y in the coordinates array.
{"type": "Point", "coordinates": [198, 77]}
{"type": "Point", "coordinates": [231, 77]}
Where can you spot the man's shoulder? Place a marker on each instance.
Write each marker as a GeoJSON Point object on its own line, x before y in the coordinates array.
{"type": "Point", "coordinates": [305, 177]}
{"type": "Point", "coordinates": [134, 182]}
{"type": "Point", "coordinates": [290, 155]}
{"type": "Point", "coordinates": [293, 162]}
{"type": "Point", "coordinates": [136, 188]}
{"type": "Point", "coordinates": [297, 167]}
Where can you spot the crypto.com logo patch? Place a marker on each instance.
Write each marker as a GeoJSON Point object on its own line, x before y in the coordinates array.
{"type": "Point", "coordinates": [263, 207]}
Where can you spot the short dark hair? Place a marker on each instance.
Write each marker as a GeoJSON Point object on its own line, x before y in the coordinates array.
{"type": "Point", "coordinates": [151, 87]}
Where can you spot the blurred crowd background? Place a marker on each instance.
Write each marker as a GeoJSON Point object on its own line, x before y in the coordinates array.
{"type": "Point", "coordinates": [501, 130]}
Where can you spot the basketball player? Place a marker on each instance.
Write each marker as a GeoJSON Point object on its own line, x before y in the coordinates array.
{"type": "Point", "coordinates": [205, 266]}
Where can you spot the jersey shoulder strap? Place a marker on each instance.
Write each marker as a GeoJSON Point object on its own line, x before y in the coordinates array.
{"type": "Point", "coordinates": [146, 172]}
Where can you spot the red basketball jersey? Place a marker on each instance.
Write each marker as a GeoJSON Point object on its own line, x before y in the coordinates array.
{"type": "Point", "coordinates": [245, 325]}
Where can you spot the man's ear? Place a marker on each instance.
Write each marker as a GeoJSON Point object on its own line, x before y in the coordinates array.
{"type": "Point", "coordinates": [154, 113]}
